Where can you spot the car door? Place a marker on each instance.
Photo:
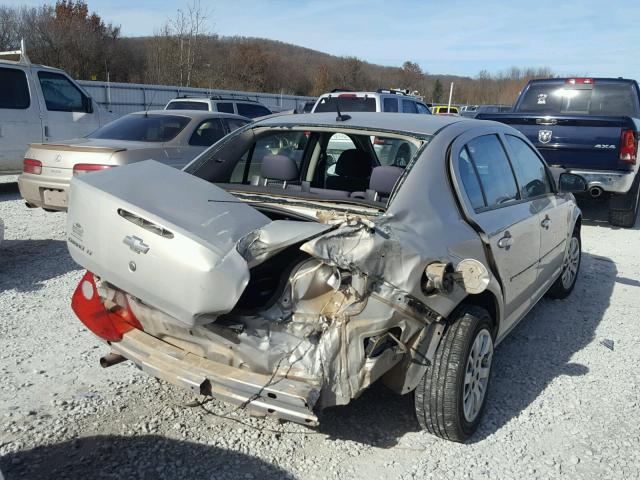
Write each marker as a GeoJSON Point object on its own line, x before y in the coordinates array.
{"type": "Point", "coordinates": [554, 210]}
{"type": "Point", "coordinates": [20, 122]}
{"type": "Point", "coordinates": [206, 133]}
{"type": "Point", "coordinates": [69, 112]}
{"type": "Point", "coordinates": [508, 225]}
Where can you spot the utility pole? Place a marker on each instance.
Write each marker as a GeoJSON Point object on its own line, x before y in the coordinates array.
{"type": "Point", "coordinates": [450, 95]}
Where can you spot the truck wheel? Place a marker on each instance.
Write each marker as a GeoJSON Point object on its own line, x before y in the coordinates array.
{"type": "Point", "coordinates": [450, 397]}
{"type": "Point", "coordinates": [564, 284]}
{"type": "Point", "coordinates": [623, 209]}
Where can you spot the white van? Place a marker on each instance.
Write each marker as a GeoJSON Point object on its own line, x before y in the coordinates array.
{"type": "Point", "coordinates": [40, 104]}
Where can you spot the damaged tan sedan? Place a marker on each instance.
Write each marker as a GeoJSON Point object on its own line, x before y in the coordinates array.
{"type": "Point", "coordinates": [300, 259]}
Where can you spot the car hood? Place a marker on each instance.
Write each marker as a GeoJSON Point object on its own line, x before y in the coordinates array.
{"type": "Point", "coordinates": [175, 241]}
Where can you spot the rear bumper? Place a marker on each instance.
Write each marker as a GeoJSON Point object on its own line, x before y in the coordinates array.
{"type": "Point", "coordinates": [44, 192]}
{"type": "Point", "coordinates": [609, 181]}
{"type": "Point", "coordinates": [287, 399]}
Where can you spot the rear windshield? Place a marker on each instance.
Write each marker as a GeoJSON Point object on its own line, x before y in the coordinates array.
{"type": "Point", "coordinates": [142, 128]}
{"type": "Point", "coordinates": [346, 104]}
{"type": "Point", "coordinates": [617, 99]}
{"type": "Point", "coordinates": [186, 105]}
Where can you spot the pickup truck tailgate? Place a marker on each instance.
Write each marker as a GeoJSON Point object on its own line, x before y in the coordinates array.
{"type": "Point", "coordinates": [572, 141]}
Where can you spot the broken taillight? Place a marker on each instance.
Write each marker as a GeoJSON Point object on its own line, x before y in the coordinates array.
{"type": "Point", "coordinates": [107, 323]}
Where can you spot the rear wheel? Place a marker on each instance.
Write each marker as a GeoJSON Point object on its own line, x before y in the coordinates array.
{"type": "Point", "coordinates": [450, 398]}
{"type": "Point", "coordinates": [564, 284]}
{"type": "Point", "coordinates": [623, 209]}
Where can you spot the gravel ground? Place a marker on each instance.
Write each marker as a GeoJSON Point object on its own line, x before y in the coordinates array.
{"type": "Point", "coordinates": [561, 403]}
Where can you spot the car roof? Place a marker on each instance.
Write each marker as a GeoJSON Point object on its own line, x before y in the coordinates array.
{"type": "Point", "coordinates": [214, 98]}
{"type": "Point", "coordinates": [195, 114]}
{"type": "Point", "coordinates": [595, 80]}
{"type": "Point", "coordinates": [398, 122]}
{"type": "Point", "coordinates": [371, 93]}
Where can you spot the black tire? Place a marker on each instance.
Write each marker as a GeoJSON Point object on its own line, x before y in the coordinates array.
{"type": "Point", "coordinates": [623, 209]}
{"type": "Point", "coordinates": [439, 402]}
{"type": "Point", "coordinates": [559, 289]}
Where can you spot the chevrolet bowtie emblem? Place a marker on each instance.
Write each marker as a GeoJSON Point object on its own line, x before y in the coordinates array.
{"type": "Point", "coordinates": [136, 244]}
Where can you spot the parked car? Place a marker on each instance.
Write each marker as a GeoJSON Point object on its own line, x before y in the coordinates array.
{"type": "Point", "coordinates": [588, 126]}
{"type": "Point", "coordinates": [473, 111]}
{"type": "Point", "coordinates": [444, 110]}
{"type": "Point", "coordinates": [173, 138]}
{"type": "Point", "coordinates": [216, 103]}
{"type": "Point", "coordinates": [259, 278]}
{"type": "Point", "coordinates": [392, 101]}
{"type": "Point", "coordinates": [40, 104]}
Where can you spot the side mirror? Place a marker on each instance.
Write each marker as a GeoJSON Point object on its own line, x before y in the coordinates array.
{"type": "Point", "coordinates": [88, 104]}
{"type": "Point", "coordinates": [571, 183]}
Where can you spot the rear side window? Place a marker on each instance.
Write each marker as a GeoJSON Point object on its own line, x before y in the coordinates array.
{"type": "Point", "coordinates": [207, 133]}
{"type": "Point", "coordinates": [60, 94]}
{"type": "Point", "coordinates": [143, 128]}
{"type": "Point", "coordinates": [14, 91]}
{"type": "Point", "coordinates": [409, 106]}
{"type": "Point", "coordinates": [616, 99]}
{"type": "Point", "coordinates": [225, 107]}
{"type": "Point", "coordinates": [496, 177]}
{"type": "Point", "coordinates": [186, 105]}
{"type": "Point", "coordinates": [530, 171]}
{"type": "Point", "coordinates": [347, 103]}
{"type": "Point", "coordinates": [470, 181]}
{"type": "Point", "coordinates": [252, 110]}
{"type": "Point", "coordinates": [390, 104]}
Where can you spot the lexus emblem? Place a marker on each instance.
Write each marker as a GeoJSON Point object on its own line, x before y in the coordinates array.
{"type": "Point", "coordinates": [545, 136]}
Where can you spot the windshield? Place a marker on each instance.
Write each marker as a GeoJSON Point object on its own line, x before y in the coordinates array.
{"type": "Point", "coordinates": [317, 164]}
{"type": "Point", "coordinates": [142, 128]}
{"type": "Point", "coordinates": [552, 98]}
{"type": "Point", "coordinates": [347, 103]}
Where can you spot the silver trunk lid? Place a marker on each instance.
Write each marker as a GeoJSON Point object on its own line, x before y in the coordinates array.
{"type": "Point", "coordinates": [169, 238]}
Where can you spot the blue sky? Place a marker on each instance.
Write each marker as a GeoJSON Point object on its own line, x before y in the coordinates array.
{"type": "Point", "coordinates": [590, 37]}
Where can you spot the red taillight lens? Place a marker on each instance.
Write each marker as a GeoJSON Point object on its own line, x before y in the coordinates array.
{"type": "Point", "coordinates": [628, 147]}
{"type": "Point", "coordinates": [379, 141]}
{"type": "Point", "coordinates": [32, 166]}
{"type": "Point", "coordinates": [109, 324]}
{"type": "Point", "coordinates": [347, 95]}
{"type": "Point", "coordinates": [89, 167]}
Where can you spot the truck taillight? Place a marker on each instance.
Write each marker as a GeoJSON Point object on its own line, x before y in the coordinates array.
{"type": "Point", "coordinates": [579, 81]}
{"type": "Point", "coordinates": [628, 147]}
{"type": "Point", "coordinates": [30, 165]}
{"type": "Point", "coordinates": [107, 323]}
{"type": "Point", "coordinates": [379, 141]}
{"type": "Point", "coordinates": [80, 168]}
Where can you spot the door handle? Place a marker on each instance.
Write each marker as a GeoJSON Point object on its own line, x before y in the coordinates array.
{"type": "Point", "coordinates": [546, 222]}
{"type": "Point", "coordinates": [46, 130]}
{"type": "Point", "coordinates": [506, 241]}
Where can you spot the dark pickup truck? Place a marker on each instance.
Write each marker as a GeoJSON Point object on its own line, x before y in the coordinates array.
{"type": "Point", "coordinates": [588, 126]}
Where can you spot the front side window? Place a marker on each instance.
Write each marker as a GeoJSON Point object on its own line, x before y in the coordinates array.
{"type": "Point", "coordinates": [60, 94]}
{"type": "Point", "coordinates": [494, 170]}
{"type": "Point", "coordinates": [207, 133]}
{"type": "Point", "coordinates": [390, 104]}
{"type": "Point", "coordinates": [14, 91]}
{"type": "Point", "coordinates": [422, 109]}
{"type": "Point", "coordinates": [409, 106]}
{"type": "Point", "coordinates": [252, 110]}
{"type": "Point", "coordinates": [143, 128]}
{"type": "Point", "coordinates": [393, 151]}
{"type": "Point", "coordinates": [530, 171]}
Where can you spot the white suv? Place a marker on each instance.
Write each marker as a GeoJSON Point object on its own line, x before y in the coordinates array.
{"type": "Point", "coordinates": [244, 107]}
{"type": "Point", "coordinates": [398, 101]}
